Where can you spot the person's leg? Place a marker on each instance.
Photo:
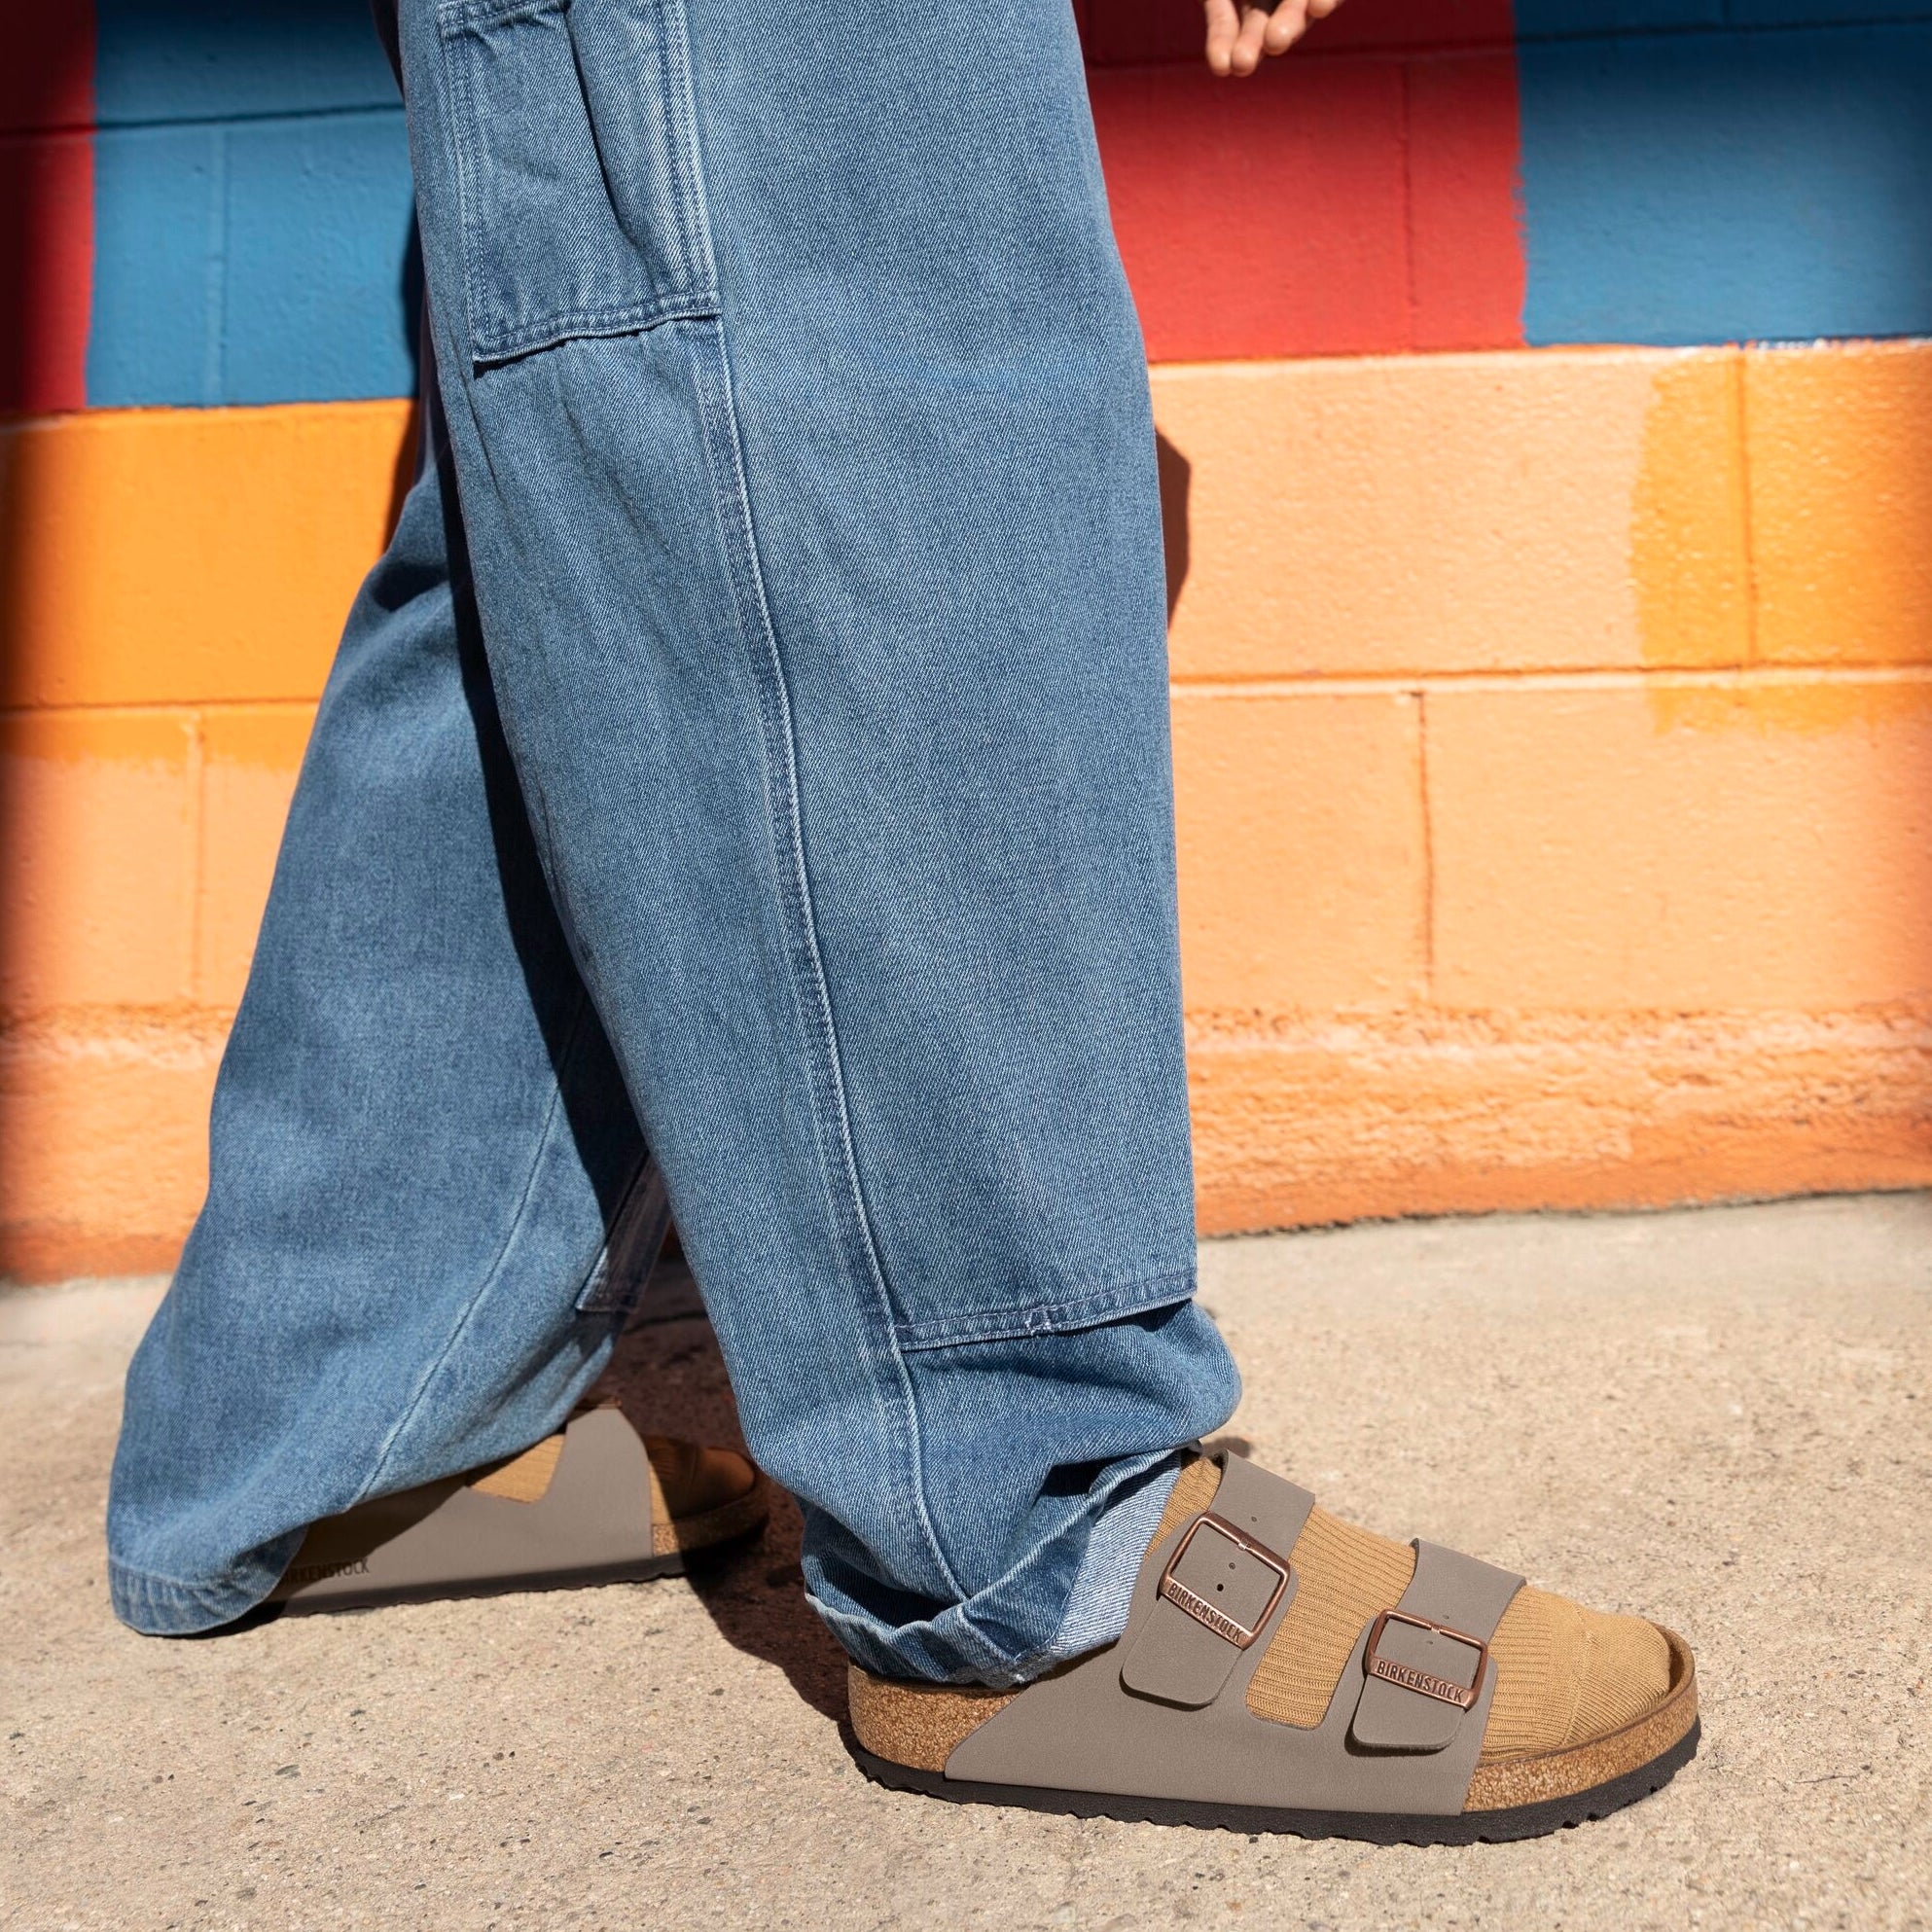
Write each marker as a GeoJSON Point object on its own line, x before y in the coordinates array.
{"type": "Point", "coordinates": [419, 1139]}
{"type": "Point", "coordinates": [804, 448]}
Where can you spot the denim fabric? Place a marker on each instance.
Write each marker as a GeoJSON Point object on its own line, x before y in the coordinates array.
{"type": "Point", "coordinates": [753, 746]}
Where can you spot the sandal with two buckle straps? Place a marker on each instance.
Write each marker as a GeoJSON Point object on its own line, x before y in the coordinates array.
{"type": "Point", "coordinates": [1185, 1719]}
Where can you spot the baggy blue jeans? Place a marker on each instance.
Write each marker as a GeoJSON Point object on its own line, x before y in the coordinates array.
{"type": "Point", "coordinates": [748, 767]}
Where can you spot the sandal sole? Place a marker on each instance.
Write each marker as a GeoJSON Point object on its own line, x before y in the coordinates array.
{"type": "Point", "coordinates": [1464, 1828]}
{"type": "Point", "coordinates": [1665, 1738]}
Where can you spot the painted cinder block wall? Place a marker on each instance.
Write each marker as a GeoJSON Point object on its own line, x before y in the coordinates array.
{"type": "Point", "coordinates": [1548, 455]}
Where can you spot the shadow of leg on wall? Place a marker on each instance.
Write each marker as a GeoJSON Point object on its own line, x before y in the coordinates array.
{"type": "Point", "coordinates": [1176, 485]}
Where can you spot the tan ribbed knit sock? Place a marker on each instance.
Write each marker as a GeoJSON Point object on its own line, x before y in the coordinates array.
{"type": "Point", "coordinates": [685, 1478]}
{"type": "Point", "coordinates": [1564, 1674]}
{"type": "Point", "coordinates": [526, 1478]}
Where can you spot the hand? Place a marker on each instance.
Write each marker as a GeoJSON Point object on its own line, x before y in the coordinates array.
{"type": "Point", "coordinates": [1241, 31]}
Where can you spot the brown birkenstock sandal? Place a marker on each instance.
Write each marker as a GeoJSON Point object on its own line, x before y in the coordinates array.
{"type": "Point", "coordinates": [598, 1503]}
{"type": "Point", "coordinates": [1283, 1671]}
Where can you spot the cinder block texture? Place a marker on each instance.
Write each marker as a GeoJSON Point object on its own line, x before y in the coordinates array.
{"type": "Point", "coordinates": [97, 857]}
{"type": "Point", "coordinates": [166, 556]}
{"type": "Point", "coordinates": [1729, 185]}
{"type": "Point", "coordinates": [250, 758]}
{"type": "Point", "coordinates": [1303, 849]}
{"type": "Point", "coordinates": [1682, 848]}
{"type": "Point", "coordinates": [1410, 516]}
{"type": "Point", "coordinates": [104, 1140]}
{"type": "Point", "coordinates": [1303, 1121]}
{"type": "Point", "coordinates": [1841, 466]}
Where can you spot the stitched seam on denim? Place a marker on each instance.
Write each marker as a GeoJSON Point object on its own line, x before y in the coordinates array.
{"type": "Point", "coordinates": [1047, 1318]}
{"type": "Point", "coordinates": [496, 1268]}
{"type": "Point", "coordinates": [160, 1580]}
{"type": "Point", "coordinates": [459, 15]}
{"type": "Point", "coordinates": [827, 1085]}
{"type": "Point", "coordinates": [686, 157]}
{"type": "Point", "coordinates": [455, 69]}
{"type": "Point", "coordinates": [856, 1635]}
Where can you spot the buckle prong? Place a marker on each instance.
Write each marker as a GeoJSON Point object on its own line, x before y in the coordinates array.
{"type": "Point", "coordinates": [1425, 1682]}
{"type": "Point", "coordinates": [1176, 1592]}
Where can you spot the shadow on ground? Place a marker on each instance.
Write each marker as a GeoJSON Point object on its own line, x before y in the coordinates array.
{"type": "Point", "coordinates": [670, 1378]}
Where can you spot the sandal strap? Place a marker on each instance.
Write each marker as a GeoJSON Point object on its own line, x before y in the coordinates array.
{"type": "Point", "coordinates": [1125, 1720]}
{"type": "Point", "coordinates": [1423, 1664]}
{"type": "Point", "coordinates": [1228, 1575]}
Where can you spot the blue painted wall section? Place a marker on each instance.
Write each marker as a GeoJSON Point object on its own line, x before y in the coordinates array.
{"type": "Point", "coordinates": [251, 207]}
{"type": "Point", "coordinates": [1731, 184]}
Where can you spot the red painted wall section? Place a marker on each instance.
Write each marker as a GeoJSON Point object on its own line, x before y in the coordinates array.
{"type": "Point", "coordinates": [1259, 218]}
{"type": "Point", "coordinates": [1364, 202]}
{"type": "Point", "coordinates": [45, 208]}
{"type": "Point", "coordinates": [1468, 259]}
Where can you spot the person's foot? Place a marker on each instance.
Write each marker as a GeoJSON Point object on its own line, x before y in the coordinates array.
{"type": "Point", "coordinates": [597, 1503]}
{"type": "Point", "coordinates": [1282, 1670]}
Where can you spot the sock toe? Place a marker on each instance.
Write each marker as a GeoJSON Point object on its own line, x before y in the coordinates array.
{"type": "Point", "coordinates": [1566, 1674]}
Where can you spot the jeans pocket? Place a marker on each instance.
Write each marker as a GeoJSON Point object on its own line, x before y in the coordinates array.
{"type": "Point", "coordinates": [576, 147]}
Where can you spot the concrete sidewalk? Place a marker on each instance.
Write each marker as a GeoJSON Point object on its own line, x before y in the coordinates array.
{"type": "Point", "coordinates": [1722, 1418]}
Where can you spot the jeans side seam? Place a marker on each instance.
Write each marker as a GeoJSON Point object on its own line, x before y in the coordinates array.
{"type": "Point", "coordinates": [827, 1083]}
{"type": "Point", "coordinates": [503, 1247]}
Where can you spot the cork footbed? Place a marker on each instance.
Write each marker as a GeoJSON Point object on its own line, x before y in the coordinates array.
{"type": "Point", "coordinates": [686, 1535]}
{"type": "Point", "coordinates": [700, 1497]}
{"type": "Point", "coordinates": [920, 1725]}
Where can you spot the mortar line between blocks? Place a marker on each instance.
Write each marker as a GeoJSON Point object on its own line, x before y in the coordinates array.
{"type": "Point", "coordinates": [1750, 677]}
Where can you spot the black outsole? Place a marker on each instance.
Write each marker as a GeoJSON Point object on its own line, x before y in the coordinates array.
{"type": "Point", "coordinates": [1521, 1821]}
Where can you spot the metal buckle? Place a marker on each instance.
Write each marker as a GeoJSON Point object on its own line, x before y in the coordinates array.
{"type": "Point", "coordinates": [1241, 1635]}
{"type": "Point", "coordinates": [1425, 1682]}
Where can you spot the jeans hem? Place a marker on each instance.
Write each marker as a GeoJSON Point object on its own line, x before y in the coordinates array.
{"type": "Point", "coordinates": [964, 1645]}
{"type": "Point", "coordinates": [160, 1606]}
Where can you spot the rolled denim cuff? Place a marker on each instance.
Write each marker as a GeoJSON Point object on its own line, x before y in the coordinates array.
{"type": "Point", "coordinates": [1087, 1569]}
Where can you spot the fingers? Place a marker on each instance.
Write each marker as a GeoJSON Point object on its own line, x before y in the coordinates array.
{"type": "Point", "coordinates": [1223, 25]}
{"type": "Point", "coordinates": [1241, 33]}
{"type": "Point", "coordinates": [1282, 28]}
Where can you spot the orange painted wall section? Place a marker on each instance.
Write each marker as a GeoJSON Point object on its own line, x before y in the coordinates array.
{"type": "Point", "coordinates": [1554, 735]}
{"type": "Point", "coordinates": [206, 556]}
{"type": "Point", "coordinates": [1500, 512]}
{"type": "Point", "coordinates": [1553, 740]}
